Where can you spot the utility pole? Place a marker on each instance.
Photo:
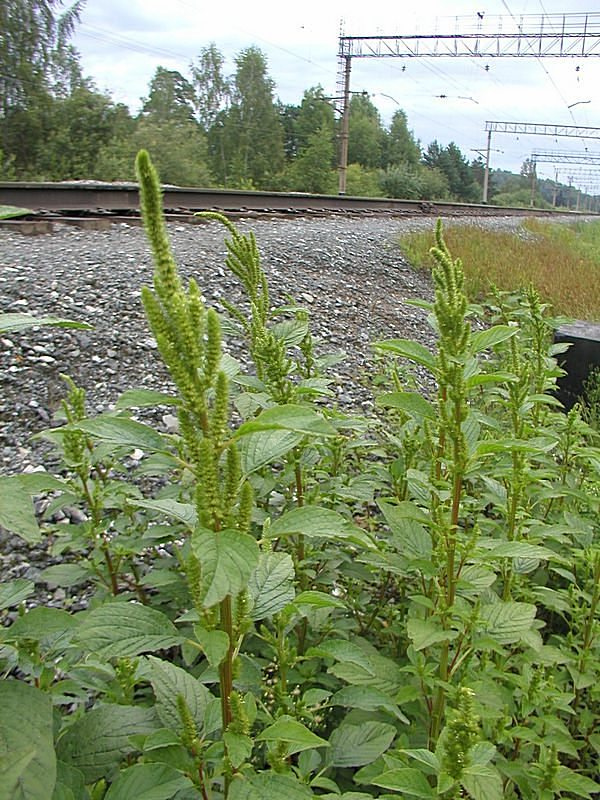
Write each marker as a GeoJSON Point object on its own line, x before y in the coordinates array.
{"type": "Point", "coordinates": [486, 172]}
{"type": "Point", "coordinates": [345, 130]}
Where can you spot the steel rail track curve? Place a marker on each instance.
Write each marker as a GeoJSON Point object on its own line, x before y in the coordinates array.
{"type": "Point", "coordinates": [80, 200]}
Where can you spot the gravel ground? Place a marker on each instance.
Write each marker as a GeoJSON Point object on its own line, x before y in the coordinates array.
{"type": "Point", "coordinates": [348, 272]}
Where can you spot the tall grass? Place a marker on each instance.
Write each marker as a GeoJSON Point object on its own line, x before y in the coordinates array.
{"type": "Point", "coordinates": [562, 261]}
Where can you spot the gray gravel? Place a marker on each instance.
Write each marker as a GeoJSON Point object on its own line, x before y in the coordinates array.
{"type": "Point", "coordinates": [348, 272]}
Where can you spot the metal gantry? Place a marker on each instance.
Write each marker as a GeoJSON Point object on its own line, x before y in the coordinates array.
{"type": "Point", "coordinates": [477, 36]}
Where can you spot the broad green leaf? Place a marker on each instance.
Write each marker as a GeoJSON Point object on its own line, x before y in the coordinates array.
{"type": "Point", "coordinates": [570, 781]}
{"type": "Point", "coordinates": [317, 522]}
{"type": "Point", "coordinates": [123, 630]}
{"type": "Point", "coordinates": [290, 331]}
{"type": "Point", "coordinates": [214, 644]}
{"type": "Point", "coordinates": [406, 348]}
{"type": "Point", "coordinates": [317, 600]}
{"type": "Point", "coordinates": [65, 574]}
{"type": "Point", "coordinates": [296, 735]}
{"type": "Point", "coordinates": [523, 550]}
{"type": "Point", "coordinates": [383, 673]}
{"type": "Point", "coordinates": [10, 212]}
{"type": "Point", "coordinates": [268, 786]}
{"type": "Point", "coordinates": [367, 699]}
{"type": "Point", "coordinates": [425, 633]}
{"type": "Point", "coordinates": [70, 783]}
{"type": "Point", "coordinates": [410, 537]}
{"type": "Point", "coordinates": [357, 745]}
{"type": "Point", "coordinates": [27, 759]}
{"type": "Point", "coordinates": [184, 512]}
{"type": "Point", "coordinates": [481, 340]}
{"type": "Point", "coordinates": [14, 592]}
{"type": "Point", "coordinates": [148, 782]}
{"type": "Point", "coordinates": [239, 747]}
{"type": "Point", "coordinates": [341, 650]}
{"type": "Point", "coordinates": [16, 510]}
{"type": "Point", "coordinates": [227, 558]}
{"type": "Point", "coordinates": [507, 622]}
{"type": "Point", "coordinates": [97, 741]}
{"type": "Point", "coordinates": [140, 398]}
{"type": "Point", "coordinates": [45, 625]}
{"type": "Point", "coordinates": [424, 757]}
{"type": "Point", "coordinates": [411, 403]}
{"type": "Point", "coordinates": [271, 585]}
{"type": "Point", "coordinates": [259, 449]}
{"type": "Point", "coordinates": [168, 683]}
{"type": "Point", "coordinates": [122, 431]}
{"type": "Point", "coordinates": [300, 419]}
{"type": "Point", "coordinates": [483, 782]}
{"type": "Point", "coordinates": [19, 322]}
{"type": "Point", "coordinates": [411, 782]}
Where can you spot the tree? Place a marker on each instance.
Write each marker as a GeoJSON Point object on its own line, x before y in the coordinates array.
{"type": "Point", "coordinates": [170, 99]}
{"type": "Point", "coordinates": [77, 128]}
{"type": "Point", "coordinates": [211, 88]}
{"type": "Point", "coordinates": [401, 147]}
{"type": "Point", "coordinates": [311, 170]}
{"type": "Point", "coordinates": [451, 162]}
{"type": "Point", "coordinates": [366, 134]}
{"type": "Point", "coordinates": [36, 65]}
{"type": "Point", "coordinates": [247, 139]}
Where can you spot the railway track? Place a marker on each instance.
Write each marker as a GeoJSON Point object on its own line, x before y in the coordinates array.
{"type": "Point", "coordinates": [91, 204]}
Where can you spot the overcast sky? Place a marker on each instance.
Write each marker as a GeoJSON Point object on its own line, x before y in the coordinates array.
{"type": "Point", "coordinates": [122, 43]}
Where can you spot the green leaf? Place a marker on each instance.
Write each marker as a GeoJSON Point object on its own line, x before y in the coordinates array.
{"type": "Point", "coordinates": [409, 781]}
{"type": "Point", "coordinates": [567, 780]}
{"type": "Point", "coordinates": [257, 450]}
{"type": "Point", "coordinates": [424, 757]}
{"type": "Point", "coordinates": [184, 512]}
{"type": "Point", "coordinates": [507, 622]}
{"type": "Point", "coordinates": [481, 340]}
{"type": "Point", "coordinates": [228, 558]}
{"type": "Point", "coordinates": [27, 759]}
{"type": "Point", "coordinates": [357, 745]}
{"type": "Point", "coordinates": [300, 419]}
{"type": "Point", "coordinates": [483, 782]}
{"type": "Point", "coordinates": [19, 322]}
{"type": "Point", "coordinates": [296, 735]}
{"type": "Point", "coordinates": [16, 510]}
{"type": "Point", "coordinates": [406, 348]}
{"type": "Point", "coordinates": [318, 600]}
{"type": "Point", "coordinates": [410, 537]}
{"type": "Point", "coordinates": [341, 650]}
{"type": "Point", "coordinates": [317, 522]}
{"type": "Point", "coordinates": [168, 683]}
{"type": "Point", "coordinates": [239, 747]}
{"type": "Point", "coordinates": [411, 403]}
{"type": "Point", "coordinates": [10, 212]}
{"type": "Point", "coordinates": [523, 550]}
{"type": "Point", "coordinates": [45, 625]}
{"type": "Point", "coordinates": [367, 699]}
{"type": "Point", "coordinates": [148, 782]}
{"type": "Point", "coordinates": [214, 644]}
{"type": "Point", "coordinates": [123, 630]}
{"type": "Point", "coordinates": [271, 585]}
{"type": "Point", "coordinates": [291, 331]}
{"type": "Point", "coordinates": [122, 431]}
{"type": "Point", "coordinates": [14, 592]}
{"type": "Point", "coordinates": [65, 574]}
{"type": "Point", "coordinates": [268, 786]}
{"type": "Point", "coordinates": [140, 398]}
{"type": "Point", "coordinates": [425, 632]}
{"type": "Point", "coordinates": [97, 741]}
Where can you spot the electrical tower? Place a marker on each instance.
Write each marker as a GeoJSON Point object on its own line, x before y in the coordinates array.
{"type": "Point", "coordinates": [529, 36]}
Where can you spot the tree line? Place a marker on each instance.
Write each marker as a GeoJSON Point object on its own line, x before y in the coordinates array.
{"type": "Point", "coordinates": [205, 128]}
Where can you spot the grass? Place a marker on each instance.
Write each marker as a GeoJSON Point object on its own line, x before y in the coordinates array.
{"type": "Point", "coordinates": [561, 260]}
